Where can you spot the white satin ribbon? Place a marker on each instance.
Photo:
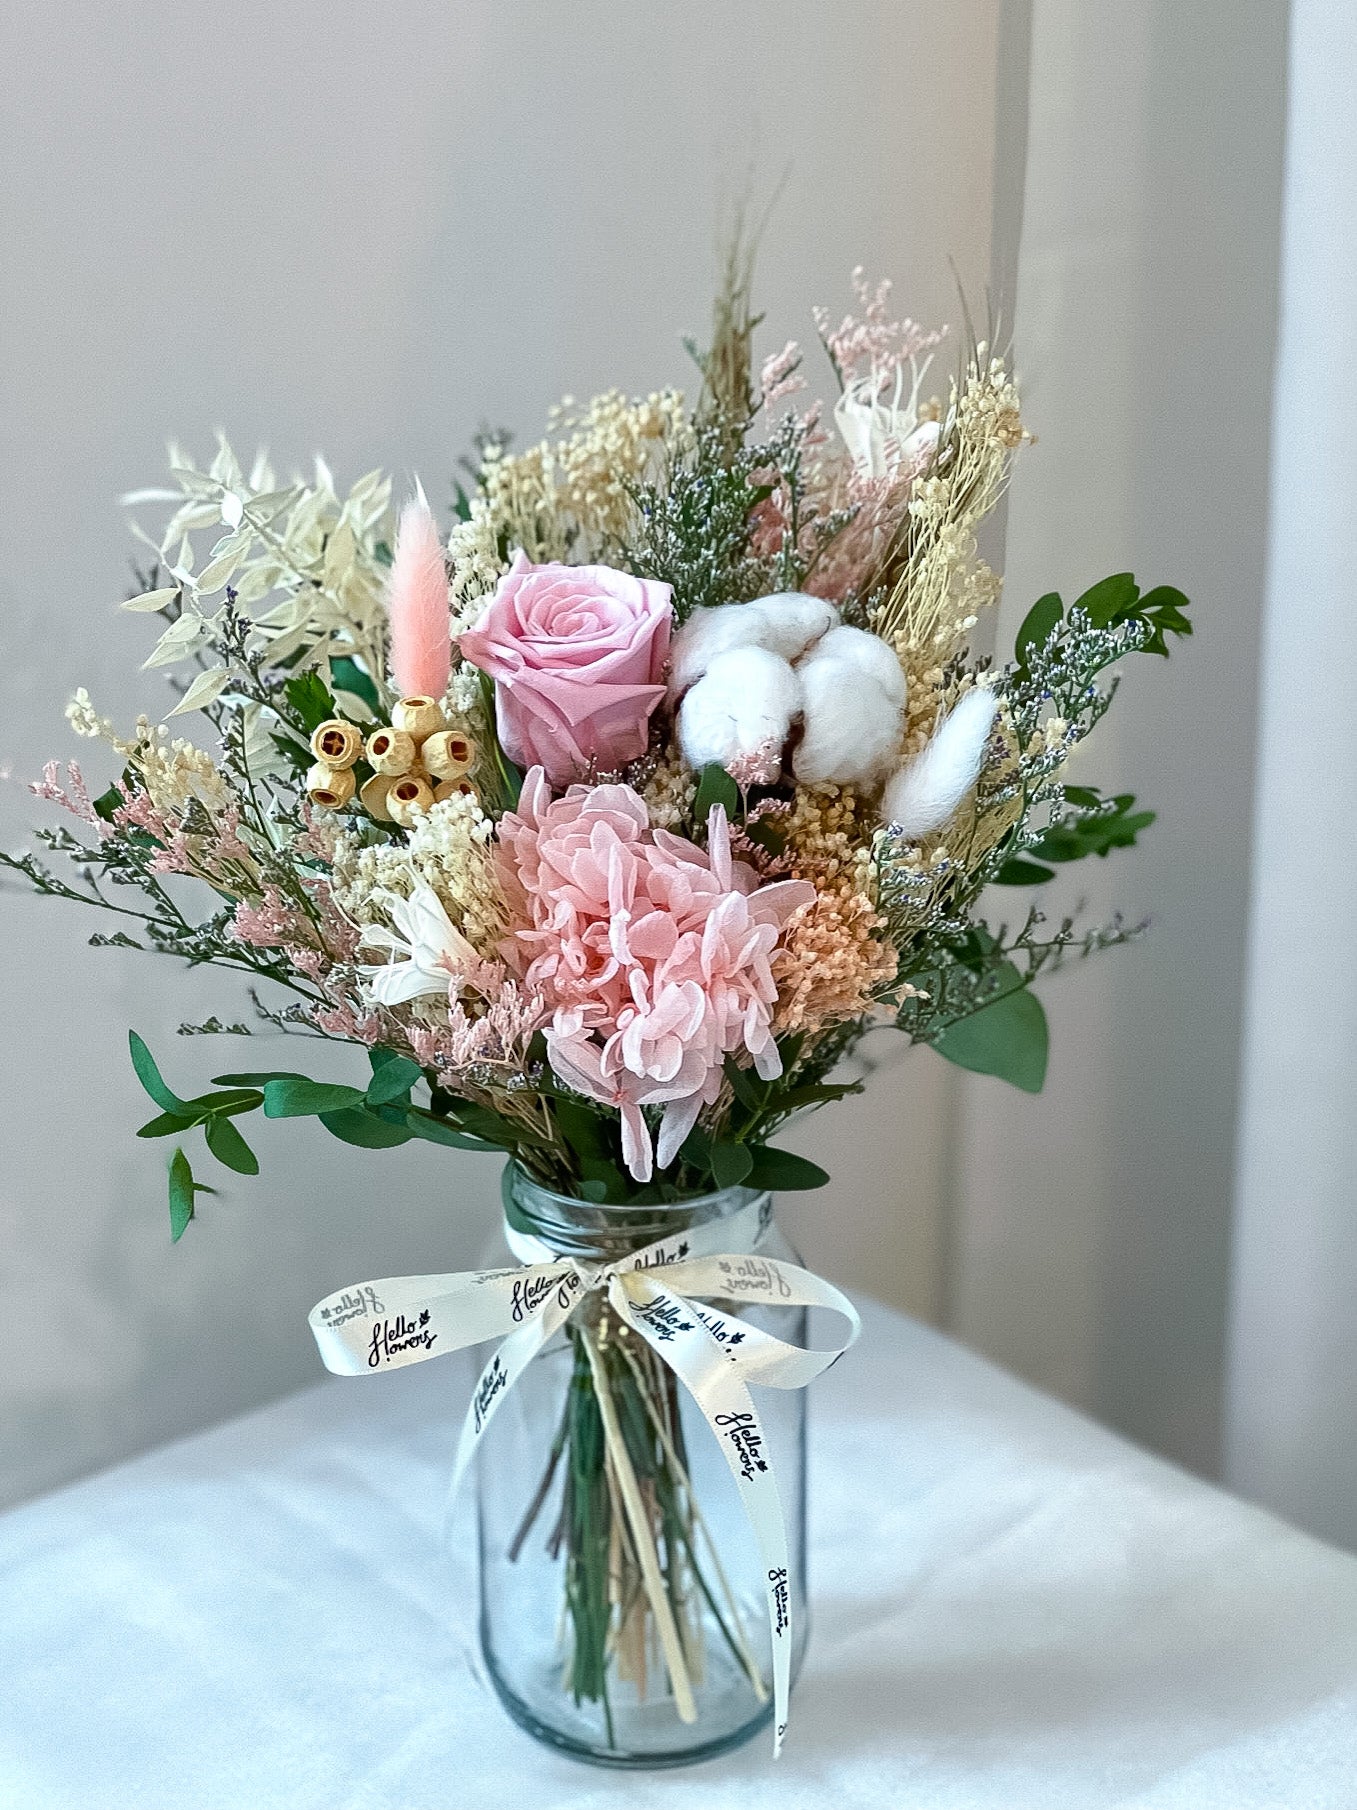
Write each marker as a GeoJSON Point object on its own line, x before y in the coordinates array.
{"type": "Point", "coordinates": [657, 1291]}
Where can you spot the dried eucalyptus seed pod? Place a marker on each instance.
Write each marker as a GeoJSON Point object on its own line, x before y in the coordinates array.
{"type": "Point", "coordinates": [409, 797]}
{"type": "Point", "coordinates": [372, 797]}
{"type": "Point", "coordinates": [448, 754]}
{"type": "Point", "coordinates": [391, 751]}
{"type": "Point", "coordinates": [337, 743]}
{"type": "Point", "coordinates": [419, 718]}
{"type": "Point", "coordinates": [329, 787]}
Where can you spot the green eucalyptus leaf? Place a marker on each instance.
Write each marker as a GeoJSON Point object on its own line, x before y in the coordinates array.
{"type": "Point", "coordinates": [441, 1131]}
{"type": "Point", "coordinates": [1017, 872]}
{"type": "Point", "coordinates": [182, 1190]}
{"type": "Point", "coordinates": [393, 1081]}
{"type": "Point", "coordinates": [781, 1169]}
{"type": "Point", "coordinates": [1036, 626]}
{"type": "Point", "coordinates": [715, 786]}
{"type": "Point", "coordinates": [730, 1163]}
{"type": "Point", "coordinates": [297, 1098]}
{"type": "Point", "coordinates": [240, 1099]}
{"type": "Point", "coordinates": [149, 1076]}
{"type": "Point", "coordinates": [367, 1130]}
{"type": "Point", "coordinates": [165, 1125]}
{"type": "Point", "coordinates": [749, 1088]}
{"type": "Point", "coordinates": [1008, 1038]}
{"type": "Point", "coordinates": [229, 1147]}
{"type": "Point", "coordinates": [1111, 600]}
{"type": "Point", "coordinates": [107, 803]}
{"type": "Point", "coordinates": [256, 1081]}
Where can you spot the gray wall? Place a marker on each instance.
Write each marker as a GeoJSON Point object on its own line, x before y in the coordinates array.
{"type": "Point", "coordinates": [366, 230]}
{"type": "Point", "coordinates": [1093, 1226]}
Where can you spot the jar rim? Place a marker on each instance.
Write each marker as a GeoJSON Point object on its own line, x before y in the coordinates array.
{"type": "Point", "coordinates": [515, 1173]}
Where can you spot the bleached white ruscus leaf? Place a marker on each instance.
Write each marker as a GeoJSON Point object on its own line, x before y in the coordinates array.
{"type": "Point", "coordinates": [181, 638]}
{"type": "Point", "coordinates": [205, 690]}
{"type": "Point", "coordinates": [267, 504]}
{"type": "Point", "coordinates": [152, 600]}
{"type": "Point", "coordinates": [226, 557]}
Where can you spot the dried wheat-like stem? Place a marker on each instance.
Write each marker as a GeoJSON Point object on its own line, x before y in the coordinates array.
{"type": "Point", "coordinates": [934, 583]}
{"type": "Point", "coordinates": [642, 1539]}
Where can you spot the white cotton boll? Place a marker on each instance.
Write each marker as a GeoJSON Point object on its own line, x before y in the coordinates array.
{"type": "Point", "coordinates": [853, 697]}
{"type": "Point", "coordinates": [707, 633]}
{"type": "Point", "coordinates": [785, 623]}
{"type": "Point", "coordinates": [792, 621]}
{"type": "Point", "coordinates": [924, 795]}
{"type": "Point", "coordinates": [739, 714]}
{"type": "Point", "coordinates": [852, 727]}
{"type": "Point", "coordinates": [866, 653]}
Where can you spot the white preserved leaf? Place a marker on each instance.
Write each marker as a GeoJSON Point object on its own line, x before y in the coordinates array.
{"type": "Point", "coordinates": [339, 555]}
{"type": "Point", "coordinates": [131, 498]}
{"type": "Point", "coordinates": [231, 509]}
{"type": "Point", "coordinates": [262, 755]}
{"type": "Point", "coordinates": [192, 515]}
{"type": "Point", "coordinates": [270, 503]}
{"type": "Point", "coordinates": [152, 600]}
{"type": "Point", "coordinates": [220, 570]}
{"type": "Point", "coordinates": [195, 483]}
{"type": "Point", "coordinates": [253, 585]}
{"type": "Point", "coordinates": [205, 689]}
{"type": "Point", "coordinates": [366, 485]}
{"type": "Point", "coordinates": [225, 467]}
{"type": "Point", "coordinates": [286, 644]}
{"type": "Point", "coordinates": [180, 639]}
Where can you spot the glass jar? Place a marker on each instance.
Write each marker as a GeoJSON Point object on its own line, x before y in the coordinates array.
{"type": "Point", "coordinates": [625, 1644]}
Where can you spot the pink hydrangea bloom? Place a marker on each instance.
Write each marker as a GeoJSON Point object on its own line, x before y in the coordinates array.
{"type": "Point", "coordinates": [653, 954]}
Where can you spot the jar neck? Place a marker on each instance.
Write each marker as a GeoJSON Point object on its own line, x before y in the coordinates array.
{"type": "Point", "coordinates": [602, 1233]}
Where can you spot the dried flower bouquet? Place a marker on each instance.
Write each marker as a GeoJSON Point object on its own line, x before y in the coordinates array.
{"type": "Point", "coordinates": [611, 819]}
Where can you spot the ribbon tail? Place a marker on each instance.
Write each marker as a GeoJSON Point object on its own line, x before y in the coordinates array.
{"type": "Point", "coordinates": [705, 1368]}
{"type": "Point", "coordinates": [508, 1362]}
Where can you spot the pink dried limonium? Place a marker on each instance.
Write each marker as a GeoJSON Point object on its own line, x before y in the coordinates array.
{"type": "Point", "coordinates": [654, 955]}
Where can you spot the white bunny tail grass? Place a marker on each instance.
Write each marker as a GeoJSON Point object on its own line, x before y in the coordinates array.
{"type": "Point", "coordinates": [923, 795]}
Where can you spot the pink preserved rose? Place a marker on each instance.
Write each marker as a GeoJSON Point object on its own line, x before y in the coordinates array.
{"type": "Point", "coordinates": [576, 653]}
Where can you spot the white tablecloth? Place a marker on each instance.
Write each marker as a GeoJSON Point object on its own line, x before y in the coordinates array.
{"type": "Point", "coordinates": [1012, 1608]}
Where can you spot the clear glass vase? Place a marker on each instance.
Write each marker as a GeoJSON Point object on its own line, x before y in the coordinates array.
{"type": "Point", "coordinates": [630, 1645]}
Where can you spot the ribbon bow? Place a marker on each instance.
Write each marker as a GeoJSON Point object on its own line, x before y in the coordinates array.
{"type": "Point", "coordinates": [659, 1292]}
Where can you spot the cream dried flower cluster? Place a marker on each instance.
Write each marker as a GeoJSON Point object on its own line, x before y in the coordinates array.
{"type": "Point", "coordinates": [614, 813]}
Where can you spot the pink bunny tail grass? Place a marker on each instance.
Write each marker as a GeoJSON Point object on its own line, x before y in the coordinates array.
{"type": "Point", "coordinates": [417, 605]}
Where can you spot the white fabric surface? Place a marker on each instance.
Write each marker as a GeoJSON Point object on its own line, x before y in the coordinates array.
{"type": "Point", "coordinates": [1012, 1608]}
